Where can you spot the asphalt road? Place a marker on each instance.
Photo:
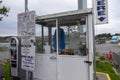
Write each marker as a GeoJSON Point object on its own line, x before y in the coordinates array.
{"type": "Point", "coordinates": [4, 55]}
{"type": "Point", "coordinates": [106, 47]}
{"type": "Point", "coordinates": [102, 77]}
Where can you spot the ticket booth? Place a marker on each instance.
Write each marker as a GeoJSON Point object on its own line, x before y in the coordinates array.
{"type": "Point", "coordinates": [65, 53]}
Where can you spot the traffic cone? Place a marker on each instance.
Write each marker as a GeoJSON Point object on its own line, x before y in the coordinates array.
{"type": "Point", "coordinates": [110, 54]}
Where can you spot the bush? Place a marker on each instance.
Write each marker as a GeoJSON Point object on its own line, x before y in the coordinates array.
{"type": "Point", "coordinates": [106, 67]}
{"type": "Point", "coordinates": [102, 58]}
{"type": "Point", "coordinates": [7, 71]}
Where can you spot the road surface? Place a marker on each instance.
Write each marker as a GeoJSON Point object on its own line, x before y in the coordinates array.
{"type": "Point", "coordinates": [106, 47]}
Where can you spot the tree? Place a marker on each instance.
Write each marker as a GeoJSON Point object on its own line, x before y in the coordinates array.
{"type": "Point", "coordinates": [3, 11]}
{"type": "Point", "coordinates": [103, 35]}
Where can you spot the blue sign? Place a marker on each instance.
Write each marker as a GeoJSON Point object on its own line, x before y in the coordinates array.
{"type": "Point", "coordinates": [101, 11]}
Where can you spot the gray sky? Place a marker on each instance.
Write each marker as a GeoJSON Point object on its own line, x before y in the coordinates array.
{"type": "Point", "coordinates": [42, 7]}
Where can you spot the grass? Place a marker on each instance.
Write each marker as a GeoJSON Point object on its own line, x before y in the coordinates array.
{"type": "Point", "coordinates": [105, 67]}
{"type": "Point", "coordinates": [7, 71]}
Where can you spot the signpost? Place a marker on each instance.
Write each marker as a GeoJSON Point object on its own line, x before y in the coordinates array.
{"type": "Point", "coordinates": [26, 30]}
{"type": "Point", "coordinates": [101, 11]}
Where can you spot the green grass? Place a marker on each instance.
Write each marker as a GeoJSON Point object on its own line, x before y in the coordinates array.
{"type": "Point", "coordinates": [105, 67]}
{"type": "Point", "coordinates": [98, 55]}
{"type": "Point", "coordinates": [7, 71]}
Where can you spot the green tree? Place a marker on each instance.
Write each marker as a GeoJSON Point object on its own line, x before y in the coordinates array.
{"type": "Point", "coordinates": [3, 10]}
{"type": "Point", "coordinates": [104, 35]}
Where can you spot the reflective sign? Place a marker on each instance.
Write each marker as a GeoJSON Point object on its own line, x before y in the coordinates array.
{"type": "Point", "coordinates": [101, 11]}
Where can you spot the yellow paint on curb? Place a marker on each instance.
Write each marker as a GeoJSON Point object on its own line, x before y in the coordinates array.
{"type": "Point", "coordinates": [107, 75]}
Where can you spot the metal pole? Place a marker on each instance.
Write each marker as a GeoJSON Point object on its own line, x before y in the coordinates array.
{"type": "Point", "coordinates": [57, 36]}
{"type": "Point", "coordinates": [26, 75]}
{"type": "Point", "coordinates": [94, 60]}
{"type": "Point", "coordinates": [42, 37]}
{"type": "Point", "coordinates": [50, 37]}
{"type": "Point", "coordinates": [26, 9]}
{"type": "Point", "coordinates": [82, 4]}
{"type": "Point", "coordinates": [26, 5]}
{"type": "Point", "coordinates": [57, 40]}
{"type": "Point", "coordinates": [91, 44]}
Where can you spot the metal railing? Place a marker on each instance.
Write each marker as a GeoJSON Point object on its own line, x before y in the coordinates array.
{"type": "Point", "coordinates": [116, 58]}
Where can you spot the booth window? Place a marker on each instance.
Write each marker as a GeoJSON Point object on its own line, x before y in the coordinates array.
{"type": "Point", "coordinates": [71, 41]}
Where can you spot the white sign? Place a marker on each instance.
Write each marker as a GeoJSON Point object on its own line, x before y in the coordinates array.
{"type": "Point", "coordinates": [101, 11]}
{"type": "Point", "coordinates": [28, 52]}
{"type": "Point", "coordinates": [26, 24]}
{"type": "Point", "coordinates": [26, 29]}
{"type": "Point", "coordinates": [27, 46]}
{"type": "Point", "coordinates": [28, 63]}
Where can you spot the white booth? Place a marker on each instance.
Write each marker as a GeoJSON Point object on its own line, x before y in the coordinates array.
{"type": "Point", "coordinates": [65, 53]}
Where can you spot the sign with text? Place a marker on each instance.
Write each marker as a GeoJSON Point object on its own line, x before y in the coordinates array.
{"type": "Point", "coordinates": [101, 11]}
{"type": "Point", "coordinates": [27, 46]}
{"type": "Point", "coordinates": [28, 52]}
{"type": "Point", "coordinates": [26, 24]}
{"type": "Point", "coordinates": [28, 63]}
{"type": "Point", "coordinates": [26, 30]}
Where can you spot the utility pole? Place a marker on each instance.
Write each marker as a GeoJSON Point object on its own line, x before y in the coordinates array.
{"type": "Point", "coordinates": [26, 9]}
{"type": "Point", "coordinates": [82, 4]}
{"type": "Point", "coordinates": [26, 5]}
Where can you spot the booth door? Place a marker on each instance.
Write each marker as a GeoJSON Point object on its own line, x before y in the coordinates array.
{"type": "Point", "coordinates": [72, 68]}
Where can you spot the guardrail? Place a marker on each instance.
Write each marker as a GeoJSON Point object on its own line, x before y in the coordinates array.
{"type": "Point", "coordinates": [116, 58]}
{"type": "Point", "coordinates": [116, 61]}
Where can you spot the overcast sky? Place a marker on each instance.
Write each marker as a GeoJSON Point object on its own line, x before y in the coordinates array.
{"type": "Point", "coordinates": [42, 7]}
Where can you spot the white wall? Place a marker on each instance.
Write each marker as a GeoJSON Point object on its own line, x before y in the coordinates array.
{"type": "Point", "coordinates": [69, 67]}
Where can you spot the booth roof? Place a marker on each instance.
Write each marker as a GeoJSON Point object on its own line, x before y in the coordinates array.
{"type": "Point", "coordinates": [65, 18]}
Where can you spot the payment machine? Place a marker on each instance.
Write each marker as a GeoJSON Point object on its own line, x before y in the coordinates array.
{"type": "Point", "coordinates": [15, 59]}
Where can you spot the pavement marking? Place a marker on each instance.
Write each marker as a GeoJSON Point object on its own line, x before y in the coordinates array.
{"type": "Point", "coordinates": [107, 75]}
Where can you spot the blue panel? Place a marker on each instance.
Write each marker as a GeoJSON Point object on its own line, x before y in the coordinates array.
{"type": "Point", "coordinates": [61, 40]}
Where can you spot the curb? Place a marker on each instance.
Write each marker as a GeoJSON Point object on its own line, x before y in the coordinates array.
{"type": "Point", "coordinates": [107, 75]}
